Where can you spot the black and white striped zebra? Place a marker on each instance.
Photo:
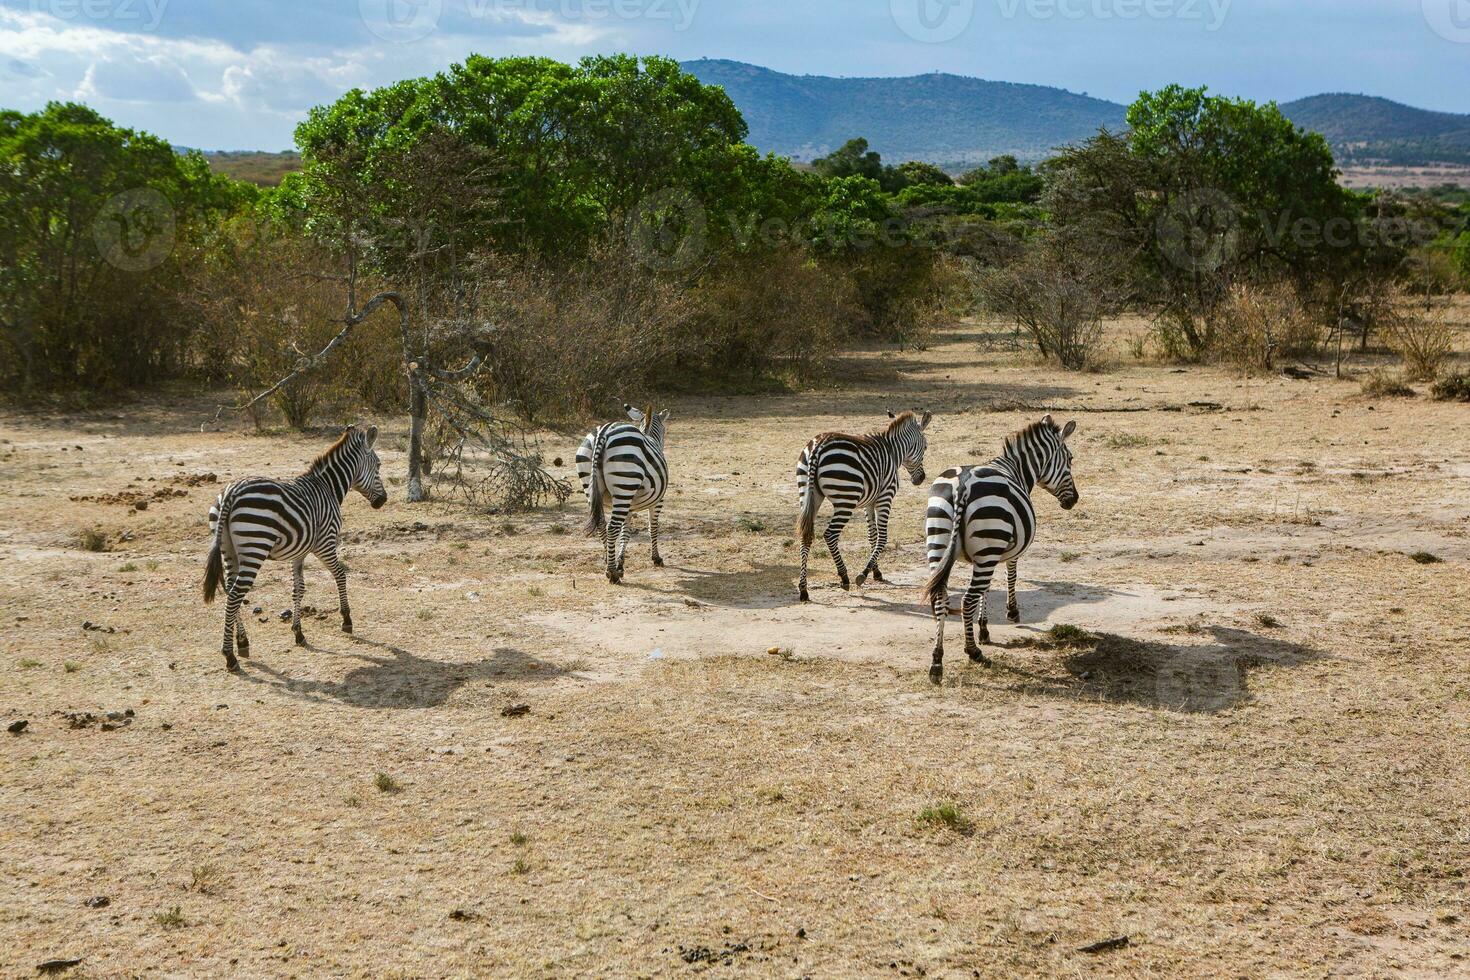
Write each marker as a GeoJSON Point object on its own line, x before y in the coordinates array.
{"type": "Point", "coordinates": [623, 471]}
{"type": "Point", "coordinates": [286, 520]}
{"type": "Point", "coordinates": [996, 523]}
{"type": "Point", "coordinates": [852, 472]}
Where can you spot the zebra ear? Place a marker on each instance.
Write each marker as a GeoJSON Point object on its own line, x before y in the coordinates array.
{"type": "Point", "coordinates": [1047, 419]}
{"type": "Point", "coordinates": [664, 415]}
{"type": "Point", "coordinates": [1070, 428]}
{"type": "Point", "coordinates": [372, 435]}
{"type": "Point", "coordinates": [635, 414]}
{"type": "Point", "coordinates": [892, 416]}
{"type": "Point", "coordinates": [924, 422]}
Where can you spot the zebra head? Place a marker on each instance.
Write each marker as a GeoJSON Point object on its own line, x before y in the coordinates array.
{"type": "Point", "coordinates": [652, 423]}
{"type": "Point", "coordinates": [907, 432]}
{"type": "Point", "coordinates": [366, 479]}
{"type": "Point", "coordinates": [1044, 449]}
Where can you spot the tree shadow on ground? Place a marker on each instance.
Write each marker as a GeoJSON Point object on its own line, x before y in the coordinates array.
{"type": "Point", "coordinates": [1192, 678]}
{"type": "Point", "coordinates": [763, 587]}
{"type": "Point", "coordinates": [396, 678]}
{"type": "Point", "coordinates": [1037, 604]}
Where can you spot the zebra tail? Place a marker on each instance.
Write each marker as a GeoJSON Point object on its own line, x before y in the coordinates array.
{"type": "Point", "coordinates": [596, 522]}
{"type": "Point", "coordinates": [806, 524]}
{"type": "Point", "coordinates": [937, 588]}
{"type": "Point", "coordinates": [214, 566]}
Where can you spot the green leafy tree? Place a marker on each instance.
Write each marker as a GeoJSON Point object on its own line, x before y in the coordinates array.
{"type": "Point", "coordinates": [99, 222]}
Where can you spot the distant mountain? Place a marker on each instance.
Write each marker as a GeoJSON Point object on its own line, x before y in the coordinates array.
{"type": "Point", "coordinates": [945, 119]}
{"type": "Point", "coordinates": [1364, 129]}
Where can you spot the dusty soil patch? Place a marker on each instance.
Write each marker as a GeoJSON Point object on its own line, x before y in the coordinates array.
{"type": "Point", "coordinates": [1256, 765]}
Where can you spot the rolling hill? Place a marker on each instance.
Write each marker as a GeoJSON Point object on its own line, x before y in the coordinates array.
{"type": "Point", "coordinates": [1365, 128]}
{"type": "Point", "coordinates": [953, 120]}
{"type": "Point", "coordinates": [945, 119]}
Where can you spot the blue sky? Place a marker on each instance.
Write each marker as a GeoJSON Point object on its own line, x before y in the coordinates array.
{"type": "Point", "coordinates": [240, 75]}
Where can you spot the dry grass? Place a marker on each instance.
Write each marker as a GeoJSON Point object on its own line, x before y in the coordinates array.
{"type": "Point", "coordinates": [1237, 797]}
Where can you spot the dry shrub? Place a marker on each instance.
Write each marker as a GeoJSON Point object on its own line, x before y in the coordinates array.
{"type": "Point", "coordinates": [1256, 323]}
{"type": "Point", "coordinates": [902, 291]}
{"type": "Point", "coordinates": [1381, 384]}
{"type": "Point", "coordinates": [1455, 388]}
{"type": "Point", "coordinates": [1424, 340]}
{"type": "Point", "coordinates": [1059, 291]}
{"type": "Point", "coordinates": [773, 311]}
{"type": "Point", "coordinates": [575, 339]}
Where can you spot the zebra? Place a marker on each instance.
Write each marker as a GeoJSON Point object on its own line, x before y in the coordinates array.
{"type": "Point", "coordinates": [256, 519]}
{"type": "Point", "coordinates": [996, 523]}
{"type": "Point", "coordinates": [855, 471]}
{"type": "Point", "coordinates": [622, 468]}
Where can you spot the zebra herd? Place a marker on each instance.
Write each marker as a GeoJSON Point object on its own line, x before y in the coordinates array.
{"type": "Point", "coordinates": [981, 513]}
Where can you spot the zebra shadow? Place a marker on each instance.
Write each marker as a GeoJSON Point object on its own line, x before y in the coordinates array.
{"type": "Point", "coordinates": [1192, 678]}
{"type": "Point", "coordinates": [396, 678]}
{"type": "Point", "coordinates": [762, 587]}
{"type": "Point", "coordinates": [1038, 602]}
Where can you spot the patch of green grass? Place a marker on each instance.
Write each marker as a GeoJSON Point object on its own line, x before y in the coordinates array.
{"type": "Point", "coordinates": [352, 800]}
{"type": "Point", "coordinates": [171, 918]}
{"type": "Point", "coordinates": [128, 567]}
{"type": "Point", "coordinates": [1066, 635]}
{"type": "Point", "coordinates": [947, 816]}
{"type": "Point", "coordinates": [1380, 384]}
{"type": "Point", "coordinates": [204, 879]}
{"type": "Point", "coordinates": [1267, 620]}
{"type": "Point", "coordinates": [1128, 440]}
{"type": "Point", "coordinates": [517, 838]}
{"type": "Point", "coordinates": [386, 783]}
{"type": "Point", "coordinates": [1426, 558]}
{"type": "Point", "coordinates": [520, 866]}
{"type": "Point", "coordinates": [425, 614]}
{"type": "Point", "coordinates": [93, 539]}
{"type": "Point", "coordinates": [1070, 555]}
{"type": "Point", "coordinates": [749, 525]}
{"type": "Point", "coordinates": [460, 545]}
{"type": "Point", "coordinates": [535, 591]}
{"type": "Point", "coordinates": [26, 663]}
{"type": "Point", "coordinates": [71, 666]}
{"type": "Point", "coordinates": [558, 530]}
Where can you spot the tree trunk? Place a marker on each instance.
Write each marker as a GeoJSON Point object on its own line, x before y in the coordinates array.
{"type": "Point", "coordinates": [418, 407]}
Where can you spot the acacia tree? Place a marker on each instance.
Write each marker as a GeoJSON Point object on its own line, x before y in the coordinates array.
{"type": "Point", "coordinates": [1203, 191]}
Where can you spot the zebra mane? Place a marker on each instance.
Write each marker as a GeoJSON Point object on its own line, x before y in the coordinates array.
{"type": "Point", "coordinates": [897, 422]}
{"type": "Point", "coordinates": [330, 452]}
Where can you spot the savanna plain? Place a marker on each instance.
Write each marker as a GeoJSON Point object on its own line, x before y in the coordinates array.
{"type": "Point", "coordinates": [1249, 757]}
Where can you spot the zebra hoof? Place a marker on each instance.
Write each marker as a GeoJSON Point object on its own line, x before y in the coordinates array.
{"type": "Point", "coordinates": [1013, 614]}
{"type": "Point", "coordinates": [346, 628]}
{"type": "Point", "coordinates": [860, 580]}
{"type": "Point", "coordinates": [877, 575]}
{"type": "Point", "coordinates": [936, 674]}
{"type": "Point", "coordinates": [847, 586]}
{"type": "Point", "coordinates": [805, 596]}
{"type": "Point", "coordinates": [977, 657]}
{"type": "Point", "coordinates": [301, 638]}
{"type": "Point", "coordinates": [243, 649]}
{"type": "Point", "coordinates": [658, 562]}
{"type": "Point", "coordinates": [232, 665]}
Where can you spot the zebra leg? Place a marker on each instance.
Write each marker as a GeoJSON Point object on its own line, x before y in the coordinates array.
{"type": "Point", "coordinates": [1013, 611]}
{"type": "Point", "coordinates": [975, 604]}
{"type": "Point", "coordinates": [658, 559]}
{"type": "Point", "coordinates": [242, 640]}
{"type": "Point", "coordinates": [940, 609]}
{"type": "Point", "coordinates": [877, 539]}
{"type": "Point", "coordinates": [841, 514]}
{"type": "Point", "coordinates": [616, 524]}
{"type": "Point", "coordinates": [298, 589]}
{"type": "Point", "coordinates": [339, 572]}
{"type": "Point", "coordinates": [240, 588]}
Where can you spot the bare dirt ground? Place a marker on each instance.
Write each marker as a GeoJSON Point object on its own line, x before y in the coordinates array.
{"type": "Point", "coordinates": [1258, 767]}
{"type": "Point", "coordinates": [1405, 177]}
